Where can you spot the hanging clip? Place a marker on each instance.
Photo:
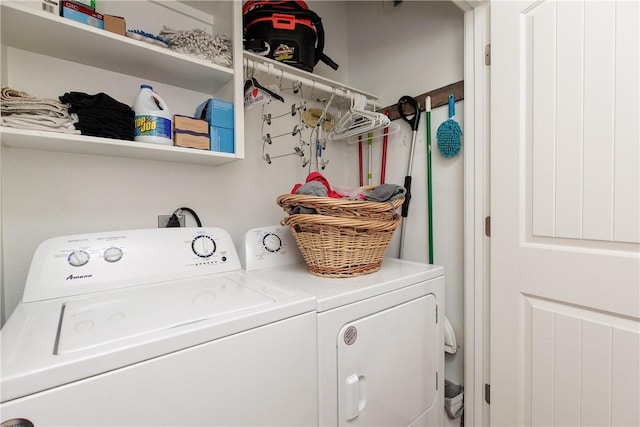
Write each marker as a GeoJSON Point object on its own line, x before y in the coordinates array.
{"type": "Point", "coordinates": [267, 118]}
{"type": "Point", "coordinates": [301, 107]}
{"type": "Point", "coordinates": [296, 129]}
{"type": "Point", "coordinates": [296, 151]}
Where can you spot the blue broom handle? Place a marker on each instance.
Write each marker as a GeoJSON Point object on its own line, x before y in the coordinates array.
{"type": "Point", "coordinates": [452, 106]}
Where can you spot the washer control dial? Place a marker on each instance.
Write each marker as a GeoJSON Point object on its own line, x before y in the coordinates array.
{"type": "Point", "coordinates": [112, 254]}
{"type": "Point", "coordinates": [272, 242]}
{"type": "Point", "coordinates": [78, 258]}
{"type": "Point", "coordinates": [203, 246]}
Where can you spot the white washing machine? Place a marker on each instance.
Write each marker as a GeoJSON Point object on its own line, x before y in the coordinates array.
{"type": "Point", "coordinates": [380, 335]}
{"type": "Point", "coordinates": [156, 327]}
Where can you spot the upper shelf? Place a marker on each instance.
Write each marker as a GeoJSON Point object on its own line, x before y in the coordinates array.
{"type": "Point", "coordinates": [47, 34]}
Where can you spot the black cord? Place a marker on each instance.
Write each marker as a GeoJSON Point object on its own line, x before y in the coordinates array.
{"type": "Point", "coordinates": [191, 211]}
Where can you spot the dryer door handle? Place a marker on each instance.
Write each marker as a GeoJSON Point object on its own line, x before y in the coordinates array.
{"type": "Point", "coordinates": [355, 396]}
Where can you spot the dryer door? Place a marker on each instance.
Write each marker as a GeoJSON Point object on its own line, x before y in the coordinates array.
{"type": "Point", "coordinates": [387, 365]}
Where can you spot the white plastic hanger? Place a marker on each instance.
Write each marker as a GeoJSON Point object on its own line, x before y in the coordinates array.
{"type": "Point", "coordinates": [357, 120]}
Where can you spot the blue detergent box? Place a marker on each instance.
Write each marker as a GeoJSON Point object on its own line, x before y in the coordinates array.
{"type": "Point", "coordinates": [217, 112]}
{"type": "Point", "coordinates": [221, 139]}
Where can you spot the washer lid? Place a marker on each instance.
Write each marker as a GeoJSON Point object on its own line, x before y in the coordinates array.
{"type": "Point", "coordinates": [105, 318]}
{"type": "Point", "coordinates": [58, 341]}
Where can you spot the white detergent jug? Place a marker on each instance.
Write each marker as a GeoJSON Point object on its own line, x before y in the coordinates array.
{"type": "Point", "coordinates": [153, 121]}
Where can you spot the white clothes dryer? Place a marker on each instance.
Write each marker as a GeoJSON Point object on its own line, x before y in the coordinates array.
{"type": "Point", "coordinates": [380, 335]}
{"type": "Point", "coordinates": [156, 327]}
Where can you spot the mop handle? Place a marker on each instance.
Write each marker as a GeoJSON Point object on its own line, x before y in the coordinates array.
{"type": "Point", "coordinates": [360, 159]}
{"type": "Point", "coordinates": [370, 152]}
{"type": "Point", "coordinates": [385, 142]}
{"type": "Point", "coordinates": [429, 180]}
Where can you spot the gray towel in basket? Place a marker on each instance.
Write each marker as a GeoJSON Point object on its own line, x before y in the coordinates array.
{"type": "Point", "coordinates": [385, 193]}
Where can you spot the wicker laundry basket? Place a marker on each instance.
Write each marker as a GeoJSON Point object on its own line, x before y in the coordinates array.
{"type": "Point", "coordinates": [362, 209]}
{"type": "Point", "coordinates": [341, 247]}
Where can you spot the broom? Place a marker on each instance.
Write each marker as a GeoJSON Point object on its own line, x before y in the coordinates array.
{"type": "Point", "coordinates": [449, 134]}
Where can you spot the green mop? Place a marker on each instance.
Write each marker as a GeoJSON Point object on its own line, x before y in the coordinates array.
{"type": "Point", "coordinates": [449, 133]}
{"type": "Point", "coordinates": [427, 109]}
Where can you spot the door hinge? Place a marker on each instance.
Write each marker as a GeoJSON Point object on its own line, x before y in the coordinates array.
{"type": "Point", "coordinates": [487, 393]}
{"type": "Point", "coordinates": [436, 313]}
{"type": "Point", "coordinates": [487, 226]}
{"type": "Point", "coordinates": [487, 54]}
{"type": "Point", "coordinates": [436, 380]}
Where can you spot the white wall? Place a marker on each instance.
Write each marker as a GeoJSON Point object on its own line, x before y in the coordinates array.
{"type": "Point", "coordinates": [407, 50]}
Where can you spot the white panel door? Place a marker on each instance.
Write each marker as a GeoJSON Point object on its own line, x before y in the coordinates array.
{"type": "Point", "coordinates": [387, 365]}
{"type": "Point", "coordinates": [565, 208]}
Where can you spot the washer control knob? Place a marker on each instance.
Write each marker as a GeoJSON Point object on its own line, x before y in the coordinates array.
{"type": "Point", "coordinates": [203, 246]}
{"type": "Point", "coordinates": [112, 254]}
{"type": "Point", "coordinates": [272, 242]}
{"type": "Point", "coordinates": [78, 258]}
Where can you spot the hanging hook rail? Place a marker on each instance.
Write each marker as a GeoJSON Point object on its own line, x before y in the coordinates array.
{"type": "Point", "coordinates": [283, 71]}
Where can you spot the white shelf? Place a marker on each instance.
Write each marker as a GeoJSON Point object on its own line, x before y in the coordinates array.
{"type": "Point", "coordinates": [66, 143]}
{"type": "Point", "coordinates": [47, 34]}
{"type": "Point", "coordinates": [36, 31]}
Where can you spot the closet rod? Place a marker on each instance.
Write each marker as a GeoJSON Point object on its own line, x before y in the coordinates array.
{"type": "Point", "coordinates": [278, 70]}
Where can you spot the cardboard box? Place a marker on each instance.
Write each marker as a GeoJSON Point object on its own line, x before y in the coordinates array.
{"type": "Point", "coordinates": [49, 6]}
{"type": "Point", "coordinates": [191, 133]}
{"type": "Point", "coordinates": [82, 14]}
{"type": "Point", "coordinates": [221, 139]}
{"type": "Point", "coordinates": [217, 112]}
{"type": "Point", "coordinates": [190, 124]}
{"type": "Point", "coordinates": [115, 24]}
{"type": "Point", "coordinates": [189, 140]}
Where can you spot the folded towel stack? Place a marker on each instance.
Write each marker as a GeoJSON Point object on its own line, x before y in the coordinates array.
{"type": "Point", "coordinates": [101, 115]}
{"type": "Point", "coordinates": [22, 110]}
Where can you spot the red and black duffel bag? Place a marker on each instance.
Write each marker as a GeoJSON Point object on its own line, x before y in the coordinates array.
{"type": "Point", "coordinates": [286, 31]}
